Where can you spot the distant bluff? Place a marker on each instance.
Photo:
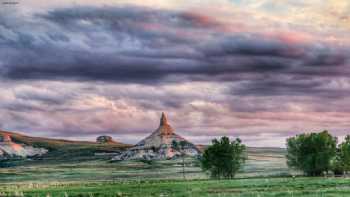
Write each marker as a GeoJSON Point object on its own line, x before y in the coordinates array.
{"type": "Point", "coordinates": [8, 148]}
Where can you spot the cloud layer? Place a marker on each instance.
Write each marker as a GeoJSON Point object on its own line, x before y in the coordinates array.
{"type": "Point", "coordinates": [89, 70]}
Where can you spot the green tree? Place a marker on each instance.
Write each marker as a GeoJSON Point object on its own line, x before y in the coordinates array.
{"type": "Point", "coordinates": [337, 165]}
{"type": "Point", "coordinates": [223, 158]}
{"type": "Point", "coordinates": [312, 153]}
{"type": "Point", "coordinates": [342, 161]}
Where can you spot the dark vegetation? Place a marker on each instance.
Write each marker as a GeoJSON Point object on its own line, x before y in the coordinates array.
{"type": "Point", "coordinates": [317, 154]}
{"type": "Point", "coordinates": [341, 163]}
{"type": "Point", "coordinates": [311, 153]}
{"type": "Point", "coordinates": [223, 158]}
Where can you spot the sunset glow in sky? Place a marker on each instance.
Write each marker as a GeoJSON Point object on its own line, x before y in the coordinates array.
{"type": "Point", "coordinates": [261, 70]}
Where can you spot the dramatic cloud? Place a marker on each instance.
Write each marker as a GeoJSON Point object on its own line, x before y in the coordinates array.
{"type": "Point", "coordinates": [143, 45]}
{"type": "Point", "coordinates": [89, 69]}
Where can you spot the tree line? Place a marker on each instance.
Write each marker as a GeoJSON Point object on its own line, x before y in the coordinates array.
{"type": "Point", "coordinates": [315, 154]}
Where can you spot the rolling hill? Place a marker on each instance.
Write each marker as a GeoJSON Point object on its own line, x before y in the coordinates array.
{"type": "Point", "coordinates": [59, 149]}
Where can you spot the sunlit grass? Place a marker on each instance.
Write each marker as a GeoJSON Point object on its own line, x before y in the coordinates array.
{"type": "Point", "coordinates": [238, 187]}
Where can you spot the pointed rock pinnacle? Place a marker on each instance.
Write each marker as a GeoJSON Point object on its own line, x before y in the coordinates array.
{"type": "Point", "coordinates": [163, 119]}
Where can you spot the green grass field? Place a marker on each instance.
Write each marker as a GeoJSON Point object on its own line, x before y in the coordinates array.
{"type": "Point", "coordinates": [100, 177]}
{"type": "Point", "coordinates": [237, 187]}
{"type": "Point", "coordinates": [260, 163]}
{"type": "Point", "coordinates": [97, 176]}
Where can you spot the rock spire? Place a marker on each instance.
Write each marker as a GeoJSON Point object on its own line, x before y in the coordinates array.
{"type": "Point", "coordinates": [159, 145]}
{"type": "Point", "coordinates": [163, 120]}
{"type": "Point", "coordinates": [164, 127]}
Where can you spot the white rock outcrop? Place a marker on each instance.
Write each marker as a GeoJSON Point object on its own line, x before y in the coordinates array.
{"type": "Point", "coordinates": [160, 145]}
{"type": "Point", "coordinates": [12, 149]}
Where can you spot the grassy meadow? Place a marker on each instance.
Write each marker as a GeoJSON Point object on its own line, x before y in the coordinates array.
{"type": "Point", "coordinates": [262, 162]}
{"type": "Point", "coordinates": [237, 187]}
{"type": "Point", "coordinates": [97, 176]}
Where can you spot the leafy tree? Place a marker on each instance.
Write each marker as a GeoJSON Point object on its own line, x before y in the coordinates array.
{"type": "Point", "coordinates": [224, 158]}
{"type": "Point", "coordinates": [341, 163]}
{"type": "Point", "coordinates": [337, 165]}
{"type": "Point", "coordinates": [312, 152]}
{"type": "Point", "coordinates": [179, 146]}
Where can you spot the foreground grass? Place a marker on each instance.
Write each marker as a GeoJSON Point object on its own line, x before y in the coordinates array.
{"type": "Point", "coordinates": [237, 187]}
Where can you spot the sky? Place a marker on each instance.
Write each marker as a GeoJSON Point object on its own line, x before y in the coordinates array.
{"type": "Point", "coordinates": [260, 70]}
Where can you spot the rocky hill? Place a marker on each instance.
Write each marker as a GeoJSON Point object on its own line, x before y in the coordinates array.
{"type": "Point", "coordinates": [9, 149]}
{"type": "Point", "coordinates": [56, 148]}
{"type": "Point", "coordinates": [163, 143]}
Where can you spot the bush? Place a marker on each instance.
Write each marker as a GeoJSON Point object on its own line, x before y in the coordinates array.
{"type": "Point", "coordinates": [223, 158]}
{"type": "Point", "coordinates": [312, 153]}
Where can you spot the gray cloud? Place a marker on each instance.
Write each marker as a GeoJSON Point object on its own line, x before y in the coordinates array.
{"type": "Point", "coordinates": [142, 45]}
{"type": "Point", "coordinates": [94, 70]}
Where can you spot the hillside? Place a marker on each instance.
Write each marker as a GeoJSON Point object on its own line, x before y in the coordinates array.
{"type": "Point", "coordinates": [66, 149]}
